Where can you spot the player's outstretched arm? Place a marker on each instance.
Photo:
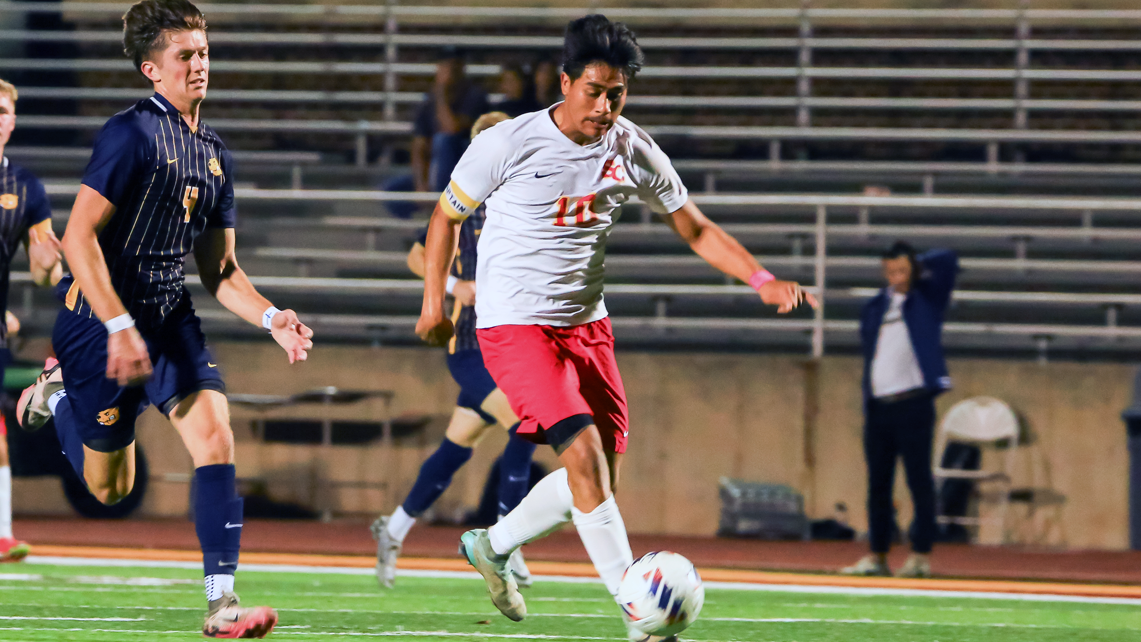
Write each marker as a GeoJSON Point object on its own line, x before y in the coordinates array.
{"type": "Point", "coordinates": [443, 236]}
{"type": "Point", "coordinates": [128, 361]}
{"type": "Point", "coordinates": [43, 248]}
{"type": "Point", "coordinates": [725, 253]}
{"type": "Point", "coordinates": [220, 274]}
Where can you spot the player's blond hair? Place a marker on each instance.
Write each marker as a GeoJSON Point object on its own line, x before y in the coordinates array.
{"type": "Point", "coordinates": [490, 119]}
{"type": "Point", "coordinates": [9, 90]}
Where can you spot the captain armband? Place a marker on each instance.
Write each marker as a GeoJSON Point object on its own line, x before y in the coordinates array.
{"type": "Point", "coordinates": [456, 204]}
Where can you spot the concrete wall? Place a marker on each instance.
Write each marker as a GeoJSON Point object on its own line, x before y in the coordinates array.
{"type": "Point", "coordinates": [695, 417]}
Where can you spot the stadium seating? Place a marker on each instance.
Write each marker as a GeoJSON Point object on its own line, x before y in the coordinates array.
{"type": "Point", "coordinates": [757, 107]}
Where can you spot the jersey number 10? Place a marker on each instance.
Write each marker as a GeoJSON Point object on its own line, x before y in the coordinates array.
{"type": "Point", "coordinates": [583, 211]}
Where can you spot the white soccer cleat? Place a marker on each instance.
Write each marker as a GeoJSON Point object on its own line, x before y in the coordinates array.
{"type": "Point", "coordinates": [519, 569]}
{"type": "Point", "coordinates": [32, 410]}
{"type": "Point", "coordinates": [387, 552]}
{"type": "Point", "coordinates": [476, 547]}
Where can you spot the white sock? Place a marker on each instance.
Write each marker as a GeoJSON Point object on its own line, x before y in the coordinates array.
{"type": "Point", "coordinates": [5, 501]}
{"type": "Point", "coordinates": [399, 524]}
{"type": "Point", "coordinates": [603, 533]}
{"type": "Point", "coordinates": [216, 585]}
{"type": "Point", "coordinates": [55, 398]}
{"type": "Point", "coordinates": [545, 508]}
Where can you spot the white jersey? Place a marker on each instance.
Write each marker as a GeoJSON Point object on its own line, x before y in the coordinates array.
{"type": "Point", "coordinates": [551, 204]}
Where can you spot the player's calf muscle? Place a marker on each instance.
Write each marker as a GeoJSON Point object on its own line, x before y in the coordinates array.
{"type": "Point", "coordinates": [588, 472]}
{"type": "Point", "coordinates": [110, 476]}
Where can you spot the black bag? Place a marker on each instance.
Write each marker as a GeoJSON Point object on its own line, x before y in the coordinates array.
{"type": "Point", "coordinates": [953, 496]}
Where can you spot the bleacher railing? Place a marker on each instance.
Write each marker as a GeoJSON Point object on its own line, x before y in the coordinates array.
{"type": "Point", "coordinates": [389, 16]}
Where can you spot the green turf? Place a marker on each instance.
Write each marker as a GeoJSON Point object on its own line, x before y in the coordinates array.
{"type": "Point", "coordinates": [323, 606]}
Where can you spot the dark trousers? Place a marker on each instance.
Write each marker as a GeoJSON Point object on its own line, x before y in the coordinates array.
{"type": "Point", "coordinates": [901, 429]}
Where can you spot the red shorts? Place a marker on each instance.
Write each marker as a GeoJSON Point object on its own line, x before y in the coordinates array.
{"type": "Point", "coordinates": [550, 374]}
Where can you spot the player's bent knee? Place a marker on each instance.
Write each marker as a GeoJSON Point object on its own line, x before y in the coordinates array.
{"type": "Point", "coordinates": [588, 473]}
{"type": "Point", "coordinates": [466, 428]}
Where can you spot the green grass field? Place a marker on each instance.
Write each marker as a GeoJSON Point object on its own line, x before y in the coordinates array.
{"type": "Point", "coordinates": [46, 602]}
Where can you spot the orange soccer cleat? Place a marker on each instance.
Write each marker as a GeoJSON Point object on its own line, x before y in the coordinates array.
{"type": "Point", "coordinates": [228, 620]}
{"type": "Point", "coordinates": [13, 550]}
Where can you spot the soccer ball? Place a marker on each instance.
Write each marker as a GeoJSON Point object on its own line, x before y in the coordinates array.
{"type": "Point", "coordinates": [661, 593]}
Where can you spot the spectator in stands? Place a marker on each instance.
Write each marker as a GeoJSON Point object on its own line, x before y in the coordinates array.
{"type": "Point", "coordinates": [904, 369]}
{"type": "Point", "coordinates": [440, 131]}
{"type": "Point", "coordinates": [545, 82]}
{"type": "Point", "coordinates": [513, 84]}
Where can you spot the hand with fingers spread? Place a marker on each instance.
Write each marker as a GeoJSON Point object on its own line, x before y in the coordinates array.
{"type": "Point", "coordinates": [43, 247]}
{"type": "Point", "coordinates": [292, 335]}
{"type": "Point", "coordinates": [786, 295]}
{"type": "Point", "coordinates": [128, 360]}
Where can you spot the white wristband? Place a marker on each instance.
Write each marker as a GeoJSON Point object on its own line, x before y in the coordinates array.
{"type": "Point", "coordinates": [451, 286]}
{"type": "Point", "coordinates": [267, 317]}
{"type": "Point", "coordinates": [119, 323]}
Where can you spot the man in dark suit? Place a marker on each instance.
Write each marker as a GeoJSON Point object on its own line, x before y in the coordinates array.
{"type": "Point", "coordinates": [904, 369]}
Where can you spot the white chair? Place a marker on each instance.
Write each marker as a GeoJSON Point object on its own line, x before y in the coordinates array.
{"type": "Point", "coordinates": [984, 422]}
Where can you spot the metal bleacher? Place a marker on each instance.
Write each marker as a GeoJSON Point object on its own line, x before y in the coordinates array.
{"type": "Point", "coordinates": [1010, 136]}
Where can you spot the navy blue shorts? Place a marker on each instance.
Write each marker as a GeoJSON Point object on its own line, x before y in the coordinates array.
{"type": "Point", "coordinates": [475, 381]}
{"type": "Point", "coordinates": [104, 411]}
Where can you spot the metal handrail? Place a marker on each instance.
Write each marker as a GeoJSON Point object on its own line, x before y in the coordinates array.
{"type": "Point", "coordinates": [657, 13]}
{"type": "Point", "coordinates": [262, 38]}
{"type": "Point", "coordinates": [686, 72]}
{"type": "Point", "coordinates": [663, 101]}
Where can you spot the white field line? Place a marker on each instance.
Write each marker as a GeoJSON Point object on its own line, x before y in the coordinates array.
{"type": "Point", "coordinates": [73, 619]}
{"type": "Point", "coordinates": [441, 634]}
{"type": "Point", "coordinates": [733, 586]}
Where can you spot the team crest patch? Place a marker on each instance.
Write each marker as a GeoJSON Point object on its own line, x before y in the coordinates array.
{"type": "Point", "coordinates": [9, 201]}
{"type": "Point", "coordinates": [108, 417]}
{"type": "Point", "coordinates": [214, 166]}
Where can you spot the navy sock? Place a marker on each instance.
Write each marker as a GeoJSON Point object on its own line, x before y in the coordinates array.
{"type": "Point", "coordinates": [514, 471]}
{"type": "Point", "coordinates": [69, 441]}
{"type": "Point", "coordinates": [435, 476]}
{"type": "Point", "coordinates": [218, 518]}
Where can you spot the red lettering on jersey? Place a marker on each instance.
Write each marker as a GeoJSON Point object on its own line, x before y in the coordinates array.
{"type": "Point", "coordinates": [584, 213]}
{"type": "Point", "coordinates": [613, 169]}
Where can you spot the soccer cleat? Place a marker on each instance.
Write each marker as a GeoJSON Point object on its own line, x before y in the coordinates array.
{"type": "Point", "coordinates": [916, 566]}
{"type": "Point", "coordinates": [32, 410]}
{"type": "Point", "coordinates": [519, 569]}
{"type": "Point", "coordinates": [868, 566]}
{"type": "Point", "coordinates": [228, 620]}
{"type": "Point", "coordinates": [387, 551]}
{"type": "Point", "coordinates": [476, 547]}
{"type": "Point", "coordinates": [13, 550]}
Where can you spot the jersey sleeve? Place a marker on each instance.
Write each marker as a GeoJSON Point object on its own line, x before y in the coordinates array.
{"type": "Point", "coordinates": [38, 207]}
{"type": "Point", "coordinates": [225, 213]}
{"type": "Point", "coordinates": [480, 171]}
{"type": "Point", "coordinates": [121, 154]}
{"type": "Point", "coordinates": [659, 185]}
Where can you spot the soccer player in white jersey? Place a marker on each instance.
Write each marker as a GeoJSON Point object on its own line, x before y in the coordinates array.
{"type": "Point", "coordinates": [552, 182]}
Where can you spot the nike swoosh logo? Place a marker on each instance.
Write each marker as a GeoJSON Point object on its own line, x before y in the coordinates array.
{"type": "Point", "coordinates": [517, 479]}
{"type": "Point", "coordinates": [212, 365]}
{"type": "Point", "coordinates": [537, 175]}
{"type": "Point", "coordinates": [171, 161]}
{"type": "Point", "coordinates": [229, 525]}
{"type": "Point", "coordinates": [234, 564]}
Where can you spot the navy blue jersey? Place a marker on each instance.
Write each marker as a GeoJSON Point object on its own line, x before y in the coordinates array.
{"type": "Point", "coordinates": [23, 203]}
{"type": "Point", "coordinates": [168, 183]}
{"type": "Point", "coordinates": [464, 268]}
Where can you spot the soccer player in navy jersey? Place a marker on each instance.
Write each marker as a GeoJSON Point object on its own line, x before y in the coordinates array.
{"type": "Point", "coordinates": [159, 184]}
{"type": "Point", "coordinates": [25, 216]}
{"type": "Point", "coordinates": [481, 405]}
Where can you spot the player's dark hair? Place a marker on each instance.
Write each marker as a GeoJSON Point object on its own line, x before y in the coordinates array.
{"type": "Point", "coordinates": [146, 25]}
{"type": "Point", "coordinates": [594, 38]}
{"type": "Point", "coordinates": [903, 248]}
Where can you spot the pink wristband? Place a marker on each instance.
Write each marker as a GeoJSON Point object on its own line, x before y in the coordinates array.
{"type": "Point", "coordinates": [759, 278]}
